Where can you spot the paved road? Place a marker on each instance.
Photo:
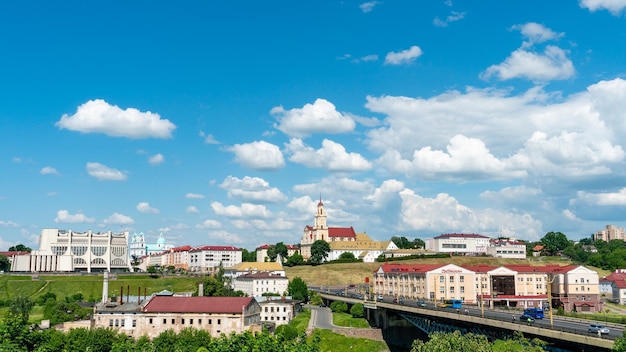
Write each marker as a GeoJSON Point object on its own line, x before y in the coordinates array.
{"type": "Point", "coordinates": [321, 317]}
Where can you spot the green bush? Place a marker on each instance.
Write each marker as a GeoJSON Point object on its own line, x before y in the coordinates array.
{"type": "Point", "coordinates": [357, 310]}
{"type": "Point", "coordinates": [339, 307]}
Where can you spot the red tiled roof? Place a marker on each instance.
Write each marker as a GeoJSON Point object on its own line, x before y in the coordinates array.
{"type": "Point", "coordinates": [481, 268]}
{"type": "Point", "coordinates": [538, 248]}
{"type": "Point", "coordinates": [341, 232]}
{"type": "Point", "coordinates": [461, 235]}
{"type": "Point", "coordinates": [177, 304]}
{"type": "Point", "coordinates": [262, 275]}
{"type": "Point", "coordinates": [9, 254]}
{"type": "Point", "coordinates": [215, 248]}
{"type": "Point", "coordinates": [181, 249]}
{"type": "Point", "coordinates": [409, 268]}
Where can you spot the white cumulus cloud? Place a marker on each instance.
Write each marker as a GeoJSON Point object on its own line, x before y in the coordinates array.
{"type": "Point", "coordinates": [319, 117]}
{"type": "Point", "coordinates": [144, 207]}
{"type": "Point", "coordinates": [614, 6]}
{"type": "Point", "coordinates": [98, 116]}
{"type": "Point", "coordinates": [49, 171]}
{"type": "Point", "coordinates": [258, 155]}
{"type": "Point", "coordinates": [331, 156]}
{"type": "Point", "coordinates": [403, 57]}
{"type": "Point", "coordinates": [192, 210]}
{"type": "Point", "coordinates": [194, 196]}
{"type": "Point", "coordinates": [252, 189]}
{"type": "Point", "coordinates": [119, 219]}
{"type": "Point", "coordinates": [156, 159]}
{"type": "Point", "coordinates": [63, 216]}
{"type": "Point", "coordinates": [104, 173]}
{"type": "Point", "coordinates": [245, 210]}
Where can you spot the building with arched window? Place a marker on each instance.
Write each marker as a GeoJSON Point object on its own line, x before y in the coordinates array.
{"type": "Point", "coordinates": [65, 250]}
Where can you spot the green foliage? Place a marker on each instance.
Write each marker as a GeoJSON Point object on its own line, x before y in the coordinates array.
{"type": "Point", "coordinates": [357, 310]}
{"type": "Point", "coordinates": [401, 242]}
{"type": "Point", "coordinates": [316, 299]}
{"type": "Point", "coordinates": [247, 256]}
{"type": "Point", "coordinates": [21, 307]}
{"type": "Point", "coordinates": [59, 312]}
{"type": "Point", "coordinates": [620, 343]}
{"type": "Point", "coordinates": [295, 259]}
{"type": "Point", "coordinates": [298, 289]}
{"type": "Point", "coordinates": [554, 242]}
{"type": "Point", "coordinates": [5, 264]}
{"type": "Point", "coordinates": [347, 255]}
{"type": "Point", "coordinates": [339, 307]}
{"type": "Point", "coordinates": [330, 341]}
{"type": "Point", "coordinates": [452, 342]}
{"type": "Point", "coordinates": [20, 248]}
{"type": "Point", "coordinates": [41, 300]}
{"type": "Point", "coordinates": [519, 344]}
{"type": "Point", "coordinates": [287, 332]}
{"type": "Point", "coordinates": [319, 252]}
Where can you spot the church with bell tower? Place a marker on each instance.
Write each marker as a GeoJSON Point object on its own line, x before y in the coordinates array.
{"type": "Point", "coordinates": [321, 231]}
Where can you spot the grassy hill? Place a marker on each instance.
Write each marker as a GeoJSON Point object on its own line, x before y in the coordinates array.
{"type": "Point", "coordinates": [12, 286]}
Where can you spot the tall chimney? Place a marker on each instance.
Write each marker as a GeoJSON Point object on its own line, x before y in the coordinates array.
{"type": "Point", "coordinates": [105, 287]}
{"type": "Point", "coordinates": [200, 289]}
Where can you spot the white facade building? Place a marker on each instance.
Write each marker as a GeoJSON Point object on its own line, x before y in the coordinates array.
{"type": "Point", "coordinates": [472, 244]}
{"type": "Point", "coordinates": [277, 310]}
{"type": "Point", "coordinates": [510, 249]}
{"type": "Point", "coordinates": [261, 282]}
{"type": "Point", "coordinates": [87, 251]}
{"type": "Point", "coordinates": [210, 258]}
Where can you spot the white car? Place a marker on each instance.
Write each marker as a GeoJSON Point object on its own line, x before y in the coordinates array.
{"type": "Point", "coordinates": [595, 328]}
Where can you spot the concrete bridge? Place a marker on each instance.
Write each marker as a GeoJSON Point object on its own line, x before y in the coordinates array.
{"type": "Point", "coordinates": [568, 334]}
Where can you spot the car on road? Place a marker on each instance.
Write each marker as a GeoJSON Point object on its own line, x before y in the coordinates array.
{"type": "Point", "coordinates": [421, 303]}
{"type": "Point", "coordinates": [595, 328]}
{"type": "Point", "coordinates": [525, 318]}
{"type": "Point", "coordinates": [380, 298]}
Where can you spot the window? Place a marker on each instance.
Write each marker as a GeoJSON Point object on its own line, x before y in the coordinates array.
{"type": "Point", "coordinates": [461, 278]}
{"type": "Point", "coordinates": [199, 321]}
{"type": "Point", "coordinates": [219, 321]}
{"type": "Point", "coordinates": [190, 321]}
{"type": "Point", "coordinates": [182, 321]}
{"type": "Point", "coordinates": [442, 290]}
{"type": "Point", "coordinates": [451, 279]}
{"type": "Point", "coordinates": [210, 321]}
{"type": "Point", "coordinates": [150, 320]}
{"type": "Point", "coordinates": [173, 321]}
{"type": "Point", "coordinates": [134, 323]}
{"type": "Point", "coordinates": [451, 289]}
{"type": "Point", "coordinates": [110, 322]}
{"type": "Point", "coordinates": [441, 279]}
{"type": "Point", "coordinates": [164, 321]}
{"type": "Point", "coordinates": [462, 289]}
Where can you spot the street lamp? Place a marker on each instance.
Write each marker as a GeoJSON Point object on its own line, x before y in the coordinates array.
{"type": "Point", "coordinates": [549, 284]}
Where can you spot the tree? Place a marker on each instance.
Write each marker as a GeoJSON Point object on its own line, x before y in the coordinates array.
{"type": "Point", "coordinates": [20, 248]}
{"type": "Point", "coordinates": [21, 307]}
{"type": "Point", "coordinates": [555, 242]}
{"type": "Point", "coordinates": [401, 242]}
{"type": "Point", "coordinates": [295, 259]}
{"type": "Point", "coordinates": [339, 307]}
{"type": "Point", "coordinates": [297, 289]}
{"type": "Point", "coordinates": [620, 343]}
{"type": "Point", "coordinates": [271, 253]}
{"type": "Point", "coordinates": [347, 256]}
{"type": "Point", "coordinates": [418, 243]}
{"type": "Point", "coordinates": [5, 264]}
{"type": "Point", "coordinates": [319, 252]}
{"type": "Point", "coordinates": [247, 256]}
{"type": "Point", "coordinates": [357, 310]}
{"type": "Point", "coordinates": [453, 342]}
{"type": "Point", "coordinates": [282, 250]}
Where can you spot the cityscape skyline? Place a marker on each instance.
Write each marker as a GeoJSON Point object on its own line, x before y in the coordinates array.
{"type": "Point", "coordinates": [225, 124]}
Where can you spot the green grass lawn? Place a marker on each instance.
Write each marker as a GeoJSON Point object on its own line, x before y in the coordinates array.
{"type": "Point", "coordinates": [12, 286]}
{"type": "Point", "coordinates": [332, 342]}
{"type": "Point", "coordinates": [301, 321]}
{"type": "Point", "coordinates": [345, 319]}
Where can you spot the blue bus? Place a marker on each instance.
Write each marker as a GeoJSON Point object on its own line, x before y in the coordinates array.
{"type": "Point", "coordinates": [536, 313]}
{"type": "Point", "coordinates": [451, 303]}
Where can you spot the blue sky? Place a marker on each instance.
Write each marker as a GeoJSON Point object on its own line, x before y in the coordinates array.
{"type": "Point", "coordinates": [223, 122]}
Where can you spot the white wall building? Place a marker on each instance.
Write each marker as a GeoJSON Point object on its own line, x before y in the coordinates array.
{"type": "Point", "coordinates": [89, 251]}
{"type": "Point", "coordinates": [507, 248]}
{"type": "Point", "coordinates": [261, 282]}
{"type": "Point", "coordinates": [209, 258]}
{"type": "Point", "coordinates": [277, 310]}
{"type": "Point", "coordinates": [362, 248]}
{"type": "Point", "coordinates": [472, 244]}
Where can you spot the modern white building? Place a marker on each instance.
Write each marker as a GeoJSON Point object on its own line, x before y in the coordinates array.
{"type": "Point", "coordinates": [507, 248]}
{"type": "Point", "coordinates": [205, 259]}
{"type": "Point", "coordinates": [257, 284]}
{"type": "Point", "coordinates": [460, 243]}
{"type": "Point", "coordinates": [61, 250]}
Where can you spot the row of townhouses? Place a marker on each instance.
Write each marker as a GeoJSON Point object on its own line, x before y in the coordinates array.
{"type": "Point", "coordinates": [575, 288]}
